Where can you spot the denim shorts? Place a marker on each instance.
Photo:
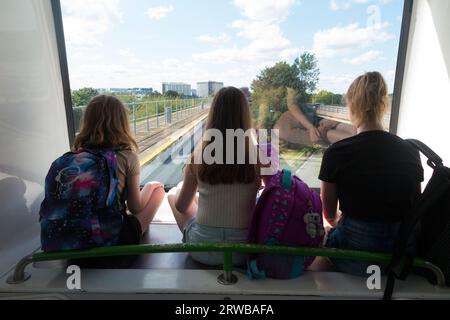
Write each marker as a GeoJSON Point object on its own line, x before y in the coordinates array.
{"type": "Point", "coordinates": [197, 233]}
{"type": "Point", "coordinates": [358, 235]}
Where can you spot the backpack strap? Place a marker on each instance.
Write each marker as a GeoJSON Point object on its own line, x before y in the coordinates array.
{"type": "Point", "coordinates": [286, 180]}
{"type": "Point", "coordinates": [111, 162]}
{"type": "Point", "coordinates": [253, 272]}
{"type": "Point", "coordinates": [109, 155]}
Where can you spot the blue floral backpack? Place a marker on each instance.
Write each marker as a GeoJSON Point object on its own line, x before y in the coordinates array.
{"type": "Point", "coordinates": [81, 209]}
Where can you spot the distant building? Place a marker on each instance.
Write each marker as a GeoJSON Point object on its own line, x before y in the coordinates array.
{"type": "Point", "coordinates": [182, 89]}
{"type": "Point", "coordinates": [119, 90]}
{"type": "Point", "coordinates": [131, 91]}
{"type": "Point", "coordinates": [102, 90]}
{"type": "Point", "coordinates": [194, 92]}
{"type": "Point", "coordinates": [146, 91]}
{"type": "Point", "coordinates": [210, 88]}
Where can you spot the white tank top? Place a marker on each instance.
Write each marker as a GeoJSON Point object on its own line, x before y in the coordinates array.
{"type": "Point", "coordinates": [226, 206]}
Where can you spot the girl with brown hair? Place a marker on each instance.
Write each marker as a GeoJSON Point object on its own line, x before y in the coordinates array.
{"type": "Point", "coordinates": [374, 177]}
{"type": "Point", "coordinates": [105, 126]}
{"type": "Point", "coordinates": [221, 212]}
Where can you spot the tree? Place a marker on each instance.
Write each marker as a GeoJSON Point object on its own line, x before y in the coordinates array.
{"type": "Point", "coordinates": [327, 98]}
{"type": "Point", "coordinates": [82, 96]}
{"type": "Point", "coordinates": [172, 94]}
{"type": "Point", "coordinates": [280, 75]}
{"type": "Point", "coordinates": [308, 74]}
{"type": "Point", "coordinates": [269, 88]}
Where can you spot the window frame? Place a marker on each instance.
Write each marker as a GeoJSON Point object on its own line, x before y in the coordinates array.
{"type": "Point", "coordinates": [401, 64]}
{"type": "Point", "coordinates": [64, 68]}
{"type": "Point", "coordinates": [398, 84]}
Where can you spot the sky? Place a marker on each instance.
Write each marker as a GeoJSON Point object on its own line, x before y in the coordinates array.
{"type": "Point", "coordinates": [142, 43]}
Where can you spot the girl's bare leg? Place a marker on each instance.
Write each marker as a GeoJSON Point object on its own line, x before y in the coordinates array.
{"type": "Point", "coordinates": [291, 131]}
{"type": "Point", "coordinates": [342, 131]}
{"type": "Point", "coordinates": [155, 195]}
{"type": "Point", "coordinates": [181, 218]}
{"type": "Point", "coordinates": [348, 128]}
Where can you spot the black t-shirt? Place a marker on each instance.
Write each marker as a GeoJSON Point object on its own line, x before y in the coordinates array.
{"type": "Point", "coordinates": [377, 176]}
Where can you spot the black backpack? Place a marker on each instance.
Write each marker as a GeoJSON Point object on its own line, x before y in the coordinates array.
{"type": "Point", "coordinates": [427, 227]}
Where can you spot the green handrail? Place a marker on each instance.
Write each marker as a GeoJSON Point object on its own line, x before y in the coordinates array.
{"type": "Point", "coordinates": [227, 248]}
{"type": "Point", "coordinates": [217, 247]}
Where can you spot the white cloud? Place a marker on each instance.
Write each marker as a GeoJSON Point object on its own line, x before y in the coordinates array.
{"type": "Point", "coordinates": [338, 83]}
{"type": "Point", "coordinates": [144, 74]}
{"type": "Point", "coordinates": [343, 40]}
{"type": "Point", "coordinates": [85, 21]}
{"type": "Point", "coordinates": [159, 12]}
{"type": "Point", "coordinates": [130, 55]}
{"type": "Point", "coordinates": [336, 5]}
{"type": "Point", "coordinates": [171, 63]}
{"type": "Point", "coordinates": [341, 82]}
{"type": "Point", "coordinates": [219, 39]}
{"type": "Point", "coordinates": [390, 79]}
{"type": "Point", "coordinates": [265, 10]}
{"type": "Point", "coordinates": [261, 28]}
{"type": "Point", "coordinates": [364, 58]}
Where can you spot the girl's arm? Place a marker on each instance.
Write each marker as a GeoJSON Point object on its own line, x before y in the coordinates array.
{"type": "Point", "coordinates": [330, 203]}
{"type": "Point", "coordinates": [137, 199]}
{"type": "Point", "coordinates": [297, 113]}
{"type": "Point", "coordinates": [184, 202]}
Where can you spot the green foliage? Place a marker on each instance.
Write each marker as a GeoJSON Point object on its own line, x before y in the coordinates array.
{"type": "Point", "coordinates": [82, 96]}
{"type": "Point", "coordinates": [327, 98]}
{"type": "Point", "coordinates": [125, 98]}
{"type": "Point", "coordinates": [270, 88]}
{"type": "Point", "coordinates": [280, 75]}
{"type": "Point", "coordinates": [171, 94]}
{"type": "Point", "coordinates": [308, 75]}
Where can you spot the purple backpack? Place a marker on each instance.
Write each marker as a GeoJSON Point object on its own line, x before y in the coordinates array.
{"type": "Point", "coordinates": [288, 213]}
{"type": "Point", "coordinates": [81, 209]}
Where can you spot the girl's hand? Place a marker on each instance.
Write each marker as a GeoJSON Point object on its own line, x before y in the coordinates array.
{"type": "Point", "coordinates": [314, 135]}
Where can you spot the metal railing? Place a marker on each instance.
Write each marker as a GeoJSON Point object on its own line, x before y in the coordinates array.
{"type": "Point", "coordinates": [147, 115]}
{"type": "Point", "coordinates": [333, 109]}
{"type": "Point", "coordinates": [344, 111]}
{"type": "Point", "coordinates": [227, 278]}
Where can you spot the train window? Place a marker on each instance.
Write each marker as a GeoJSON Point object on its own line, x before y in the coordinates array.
{"type": "Point", "coordinates": [167, 59]}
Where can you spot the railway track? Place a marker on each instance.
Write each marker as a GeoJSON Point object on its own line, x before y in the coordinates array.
{"type": "Point", "coordinates": [150, 138]}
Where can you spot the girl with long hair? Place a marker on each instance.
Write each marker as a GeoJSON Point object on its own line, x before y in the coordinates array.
{"type": "Point", "coordinates": [105, 126]}
{"type": "Point", "coordinates": [217, 198]}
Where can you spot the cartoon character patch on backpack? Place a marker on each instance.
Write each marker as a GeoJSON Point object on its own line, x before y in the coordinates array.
{"type": "Point", "coordinates": [81, 209]}
{"type": "Point", "coordinates": [288, 213]}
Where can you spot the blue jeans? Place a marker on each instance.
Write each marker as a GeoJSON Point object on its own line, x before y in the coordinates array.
{"type": "Point", "coordinates": [197, 233]}
{"type": "Point", "coordinates": [358, 235]}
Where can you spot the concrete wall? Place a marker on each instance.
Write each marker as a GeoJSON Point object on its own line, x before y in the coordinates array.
{"type": "Point", "coordinates": [33, 127]}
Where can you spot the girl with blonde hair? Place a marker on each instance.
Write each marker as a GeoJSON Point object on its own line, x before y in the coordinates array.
{"type": "Point", "coordinates": [374, 177]}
